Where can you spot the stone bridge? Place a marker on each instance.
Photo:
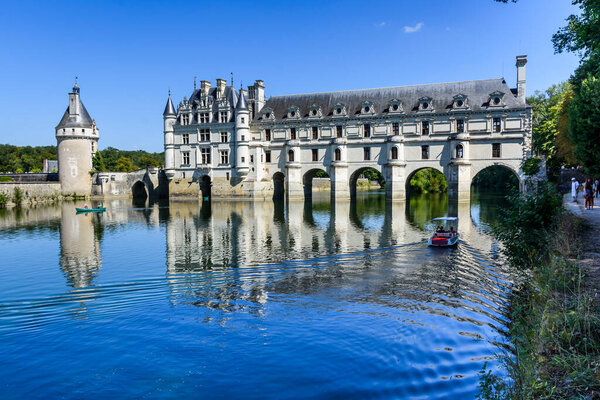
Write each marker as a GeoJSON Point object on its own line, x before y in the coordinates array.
{"type": "Point", "coordinates": [142, 184]}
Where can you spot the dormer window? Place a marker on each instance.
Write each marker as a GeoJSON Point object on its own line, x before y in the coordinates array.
{"type": "Point", "coordinates": [367, 108]}
{"type": "Point", "coordinates": [315, 111]}
{"type": "Point", "coordinates": [496, 99]}
{"type": "Point", "coordinates": [267, 114]}
{"type": "Point", "coordinates": [395, 106]}
{"type": "Point", "coordinates": [293, 112]}
{"type": "Point", "coordinates": [339, 110]}
{"type": "Point", "coordinates": [425, 104]}
{"type": "Point", "coordinates": [460, 102]}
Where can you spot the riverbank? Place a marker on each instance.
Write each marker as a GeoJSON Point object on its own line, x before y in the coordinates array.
{"type": "Point", "coordinates": [554, 311]}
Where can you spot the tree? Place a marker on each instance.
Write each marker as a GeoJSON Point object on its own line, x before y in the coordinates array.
{"type": "Point", "coordinates": [582, 32]}
{"type": "Point", "coordinates": [585, 124]}
{"type": "Point", "coordinates": [429, 180]}
{"type": "Point", "coordinates": [98, 162]}
{"type": "Point", "coordinates": [124, 165]}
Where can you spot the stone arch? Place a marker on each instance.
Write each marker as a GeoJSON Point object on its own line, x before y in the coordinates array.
{"type": "Point", "coordinates": [307, 180]}
{"type": "Point", "coordinates": [278, 185]}
{"type": "Point", "coordinates": [205, 187]}
{"type": "Point", "coordinates": [505, 167]}
{"type": "Point", "coordinates": [412, 173]}
{"type": "Point", "coordinates": [354, 178]}
{"type": "Point", "coordinates": [139, 191]}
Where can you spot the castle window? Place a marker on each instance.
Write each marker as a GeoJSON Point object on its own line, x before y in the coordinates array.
{"type": "Point", "coordinates": [293, 133]}
{"type": "Point", "coordinates": [497, 125]}
{"type": "Point", "coordinates": [394, 153]}
{"type": "Point", "coordinates": [243, 159]}
{"type": "Point", "coordinates": [366, 130]}
{"type": "Point", "coordinates": [185, 119]}
{"type": "Point", "coordinates": [223, 137]}
{"type": "Point", "coordinates": [291, 156]}
{"type": "Point", "coordinates": [204, 118]}
{"type": "Point", "coordinates": [243, 138]}
{"type": "Point", "coordinates": [366, 153]}
{"type": "Point", "coordinates": [315, 154]}
{"type": "Point", "coordinates": [224, 156]}
{"type": "Point", "coordinates": [251, 159]}
{"type": "Point", "coordinates": [338, 130]}
{"type": "Point", "coordinates": [460, 125]}
{"type": "Point", "coordinates": [204, 135]}
{"type": "Point", "coordinates": [425, 152]}
{"type": "Point", "coordinates": [315, 132]}
{"type": "Point", "coordinates": [268, 135]}
{"type": "Point", "coordinates": [243, 120]}
{"type": "Point", "coordinates": [186, 158]}
{"type": "Point", "coordinates": [223, 116]}
{"type": "Point", "coordinates": [395, 128]}
{"type": "Point", "coordinates": [496, 150]}
{"type": "Point", "coordinates": [425, 127]}
{"type": "Point", "coordinates": [205, 155]}
{"type": "Point", "coordinates": [185, 138]}
{"type": "Point", "coordinates": [337, 155]}
{"type": "Point", "coordinates": [459, 151]}
{"type": "Point", "coordinates": [267, 156]}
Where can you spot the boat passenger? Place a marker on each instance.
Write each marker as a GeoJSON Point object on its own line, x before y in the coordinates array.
{"type": "Point", "coordinates": [452, 231]}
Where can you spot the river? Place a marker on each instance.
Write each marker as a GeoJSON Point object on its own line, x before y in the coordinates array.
{"type": "Point", "coordinates": [253, 300]}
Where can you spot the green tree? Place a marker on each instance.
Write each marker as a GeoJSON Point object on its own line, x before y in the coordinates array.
{"type": "Point", "coordinates": [582, 32]}
{"type": "Point", "coordinates": [98, 162]}
{"type": "Point", "coordinates": [429, 180]}
{"type": "Point", "coordinates": [585, 124]}
{"type": "Point", "coordinates": [124, 164]}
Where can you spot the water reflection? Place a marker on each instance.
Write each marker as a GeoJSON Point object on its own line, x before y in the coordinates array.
{"type": "Point", "coordinates": [336, 293]}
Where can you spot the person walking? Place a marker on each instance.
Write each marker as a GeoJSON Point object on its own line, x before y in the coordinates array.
{"type": "Point", "coordinates": [596, 188]}
{"type": "Point", "coordinates": [574, 187]}
{"type": "Point", "coordinates": [588, 193]}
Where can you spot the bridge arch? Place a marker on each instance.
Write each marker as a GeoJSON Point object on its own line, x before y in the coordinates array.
{"type": "Point", "coordinates": [353, 181]}
{"type": "Point", "coordinates": [278, 185]}
{"type": "Point", "coordinates": [476, 174]}
{"type": "Point", "coordinates": [139, 191]}
{"type": "Point", "coordinates": [436, 167]}
{"type": "Point", "coordinates": [307, 179]}
{"type": "Point", "coordinates": [205, 187]}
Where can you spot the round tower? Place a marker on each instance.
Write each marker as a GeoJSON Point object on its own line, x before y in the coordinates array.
{"type": "Point", "coordinates": [169, 118]}
{"type": "Point", "coordinates": [242, 135]}
{"type": "Point", "coordinates": [77, 140]}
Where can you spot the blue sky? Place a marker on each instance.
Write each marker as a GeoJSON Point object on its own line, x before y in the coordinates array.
{"type": "Point", "coordinates": [127, 54]}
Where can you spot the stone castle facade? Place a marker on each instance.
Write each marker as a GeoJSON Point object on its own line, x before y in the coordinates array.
{"type": "Point", "coordinates": [221, 142]}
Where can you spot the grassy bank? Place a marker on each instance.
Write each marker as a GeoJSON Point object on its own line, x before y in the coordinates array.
{"type": "Point", "coordinates": [555, 326]}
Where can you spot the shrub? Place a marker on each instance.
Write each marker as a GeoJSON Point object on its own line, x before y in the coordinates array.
{"type": "Point", "coordinates": [5, 179]}
{"type": "Point", "coordinates": [531, 166]}
{"type": "Point", "coordinates": [18, 196]}
{"type": "Point", "coordinates": [36, 171]}
{"type": "Point", "coordinates": [3, 199]}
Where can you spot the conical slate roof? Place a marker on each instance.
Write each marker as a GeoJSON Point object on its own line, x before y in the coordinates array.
{"type": "Point", "coordinates": [241, 104]}
{"type": "Point", "coordinates": [81, 120]}
{"type": "Point", "coordinates": [169, 109]}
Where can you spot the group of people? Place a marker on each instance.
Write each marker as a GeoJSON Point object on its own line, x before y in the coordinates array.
{"type": "Point", "coordinates": [440, 229]}
{"type": "Point", "coordinates": [590, 188]}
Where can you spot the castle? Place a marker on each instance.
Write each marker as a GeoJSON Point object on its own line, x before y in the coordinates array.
{"type": "Point", "coordinates": [221, 142]}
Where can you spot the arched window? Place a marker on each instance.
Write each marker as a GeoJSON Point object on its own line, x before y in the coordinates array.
{"type": "Point", "coordinates": [290, 155]}
{"type": "Point", "coordinates": [337, 155]}
{"type": "Point", "coordinates": [459, 151]}
{"type": "Point", "coordinates": [394, 153]}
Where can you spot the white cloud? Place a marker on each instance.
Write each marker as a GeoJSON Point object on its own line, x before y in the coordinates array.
{"type": "Point", "coordinates": [380, 24]}
{"type": "Point", "coordinates": [412, 29]}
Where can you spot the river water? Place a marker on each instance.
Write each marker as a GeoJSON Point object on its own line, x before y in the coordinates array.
{"type": "Point", "coordinates": [249, 300]}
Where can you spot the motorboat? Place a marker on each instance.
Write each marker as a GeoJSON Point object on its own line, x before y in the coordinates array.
{"type": "Point", "coordinates": [445, 234]}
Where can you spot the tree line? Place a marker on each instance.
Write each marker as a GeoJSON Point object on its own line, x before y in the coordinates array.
{"type": "Point", "coordinates": [566, 117]}
{"type": "Point", "coordinates": [19, 159]}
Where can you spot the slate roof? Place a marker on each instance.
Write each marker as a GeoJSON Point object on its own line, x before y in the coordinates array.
{"type": "Point", "coordinates": [83, 120]}
{"type": "Point", "coordinates": [169, 109]}
{"type": "Point", "coordinates": [442, 94]}
{"type": "Point", "coordinates": [241, 104]}
{"type": "Point", "coordinates": [230, 94]}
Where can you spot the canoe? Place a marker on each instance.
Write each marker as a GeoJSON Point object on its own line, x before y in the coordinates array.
{"type": "Point", "coordinates": [87, 210]}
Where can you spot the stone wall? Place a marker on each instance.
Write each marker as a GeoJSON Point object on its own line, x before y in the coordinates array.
{"type": "Point", "coordinates": [33, 193]}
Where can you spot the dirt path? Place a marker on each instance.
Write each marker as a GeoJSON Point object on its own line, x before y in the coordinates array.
{"type": "Point", "coordinates": [590, 248]}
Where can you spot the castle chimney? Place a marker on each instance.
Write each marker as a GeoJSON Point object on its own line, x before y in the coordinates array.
{"type": "Point", "coordinates": [221, 83]}
{"type": "Point", "coordinates": [204, 87]}
{"type": "Point", "coordinates": [521, 61]}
